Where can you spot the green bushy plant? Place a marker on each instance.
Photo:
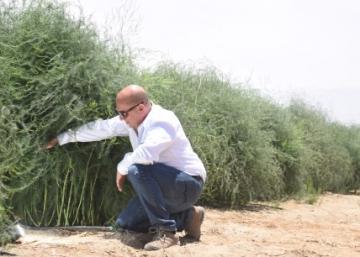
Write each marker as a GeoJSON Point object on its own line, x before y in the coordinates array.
{"type": "Point", "coordinates": [56, 74]}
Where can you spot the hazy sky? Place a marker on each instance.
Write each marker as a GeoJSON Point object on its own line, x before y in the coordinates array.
{"type": "Point", "coordinates": [304, 48]}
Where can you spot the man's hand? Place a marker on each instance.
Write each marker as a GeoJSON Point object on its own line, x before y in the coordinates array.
{"type": "Point", "coordinates": [53, 142]}
{"type": "Point", "coordinates": [120, 180]}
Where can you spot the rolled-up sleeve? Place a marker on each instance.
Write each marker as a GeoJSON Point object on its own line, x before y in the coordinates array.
{"type": "Point", "coordinates": [95, 131]}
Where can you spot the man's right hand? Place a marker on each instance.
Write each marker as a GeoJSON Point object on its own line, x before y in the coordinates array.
{"type": "Point", "coordinates": [53, 142]}
{"type": "Point", "coordinates": [120, 180]}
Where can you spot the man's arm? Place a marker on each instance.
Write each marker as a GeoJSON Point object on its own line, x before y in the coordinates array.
{"type": "Point", "coordinates": [92, 131]}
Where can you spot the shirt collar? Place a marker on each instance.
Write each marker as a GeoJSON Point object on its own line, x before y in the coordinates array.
{"type": "Point", "coordinates": [147, 119]}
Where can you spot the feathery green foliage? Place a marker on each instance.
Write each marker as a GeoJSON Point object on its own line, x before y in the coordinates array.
{"type": "Point", "coordinates": [326, 160]}
{"type": "Point", "coordinates": [4, 223]}
{"type": "Point", "coordinates": [55, 74]}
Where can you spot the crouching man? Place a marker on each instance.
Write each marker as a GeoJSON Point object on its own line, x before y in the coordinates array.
{"type": "Point", "coordinates": [164, 171]}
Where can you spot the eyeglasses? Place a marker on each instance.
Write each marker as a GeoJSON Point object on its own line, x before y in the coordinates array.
{"type": "Point", "coordinates": [124, 114]}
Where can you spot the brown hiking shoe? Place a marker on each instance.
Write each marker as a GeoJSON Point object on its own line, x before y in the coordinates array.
{"type": "Point", "coordinates": [193, 226]}
{"type": "Point", "coordinates": [162, 240]}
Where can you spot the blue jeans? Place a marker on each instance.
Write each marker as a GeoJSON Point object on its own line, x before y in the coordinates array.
{"type": "Point", "coordinates": [164, 196]}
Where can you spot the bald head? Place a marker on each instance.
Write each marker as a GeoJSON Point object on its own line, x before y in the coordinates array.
{"type": "Point", "coordinates": [133, 105]}
{"type": "Point", "coordinates": [132, 94]}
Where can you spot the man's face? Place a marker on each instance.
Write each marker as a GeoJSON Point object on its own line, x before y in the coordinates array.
{"type": "Point", "coordinates": [131, 114]}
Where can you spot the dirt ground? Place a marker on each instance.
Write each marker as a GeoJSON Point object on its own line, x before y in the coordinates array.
{"type": "Point", "coordinates": [330, 227]}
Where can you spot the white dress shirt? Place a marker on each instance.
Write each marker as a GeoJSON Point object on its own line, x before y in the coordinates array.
{"type": "Point", "coordinates": [160, 138]}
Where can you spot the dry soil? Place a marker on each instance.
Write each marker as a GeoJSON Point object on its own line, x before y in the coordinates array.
{"type": "Point", "coordinates": [329, 227]}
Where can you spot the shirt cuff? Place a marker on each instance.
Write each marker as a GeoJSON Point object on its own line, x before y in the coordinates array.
{"type": "Point", "coordinates": [67, 137]}
{"type": "Point", "coordinates": [123, 166]}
